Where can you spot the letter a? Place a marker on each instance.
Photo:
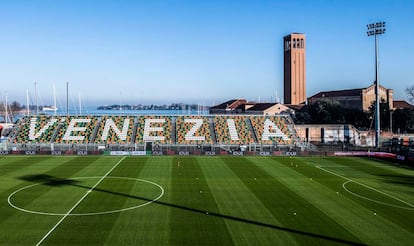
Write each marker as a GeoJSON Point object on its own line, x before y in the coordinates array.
{"type": "Point", "coordinates": [276, 132]}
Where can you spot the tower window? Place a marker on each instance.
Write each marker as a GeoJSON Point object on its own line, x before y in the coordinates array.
{"type": "Point", "coordinates": [287, 45]}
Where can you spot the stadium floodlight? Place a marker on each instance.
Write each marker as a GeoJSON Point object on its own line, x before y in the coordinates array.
{"type": "Point", "coordinates": [375, 29]}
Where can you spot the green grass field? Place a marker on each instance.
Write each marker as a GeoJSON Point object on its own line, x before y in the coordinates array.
{"type": "Point", "coordinates": [96, 200]}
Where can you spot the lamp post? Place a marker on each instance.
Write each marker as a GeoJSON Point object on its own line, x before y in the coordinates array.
{"type": "Point", "coordinates": [375, 29]}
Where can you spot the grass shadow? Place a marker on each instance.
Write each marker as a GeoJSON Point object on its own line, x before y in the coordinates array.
{"type": "Point", "coordinates": [400, 179]}
{"type": "Point", "coordinates": [48, 180]}
{"type": "Point", "coordinates": [54, 181]}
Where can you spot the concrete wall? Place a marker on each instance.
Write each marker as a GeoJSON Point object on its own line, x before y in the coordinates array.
{"type": "Point", "coordinates": [331, 134]}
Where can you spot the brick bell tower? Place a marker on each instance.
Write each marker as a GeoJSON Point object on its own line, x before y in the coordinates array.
{"type": "Point", "coordinates": [294, 68]}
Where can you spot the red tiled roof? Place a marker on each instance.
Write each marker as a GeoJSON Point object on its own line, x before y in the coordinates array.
{"type": "Point", "coordinates": [401, 104]}
{"type": "Point", "coordinates": [231, 104]}
{"type": "Point", "coordinates": [261, 106]}
{"type": "Point", "coordinates": [295, 107]}
{"type": "Point", "coordinates": [342, 93]}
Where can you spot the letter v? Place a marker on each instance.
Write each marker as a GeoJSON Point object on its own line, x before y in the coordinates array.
{"type": "Point", "coordinates": [32, 130]}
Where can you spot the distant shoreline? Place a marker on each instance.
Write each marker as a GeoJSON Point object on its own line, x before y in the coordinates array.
{"type": "Point", "coordinates": [173, 107]}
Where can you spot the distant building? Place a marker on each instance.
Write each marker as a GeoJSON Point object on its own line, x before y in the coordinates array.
{"type": "Point", "coordinates": [401, 104]}
{"type": "Point", "coordinates": [294, 68]}
{"type": "Point", "coordinates": [241, 106]}
{"type": "Point", "coordinates": [356, 98]}
{"type": "Point", "coordinates": [265, 109]}
{"type": "Point", "coordinates": [334, 134]}
{"type": "Point", "coordinates": [228, 107]}
{"type": "Point", "coordinates": [273, 109]}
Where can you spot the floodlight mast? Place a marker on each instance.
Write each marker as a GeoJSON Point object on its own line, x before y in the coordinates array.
{"type": "Point", "coordinates": [375, 29]}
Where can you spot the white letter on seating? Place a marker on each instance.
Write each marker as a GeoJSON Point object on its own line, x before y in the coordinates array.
{"type": "Point", "coordinates": [32, 134]}
{"type": "Point", "coordinates": [232, 130]}
{"type": "Point", "coordinates": [72, 128]}
{"type": "Point", "coordinates": [111, 124]}
{"type": "Point", "coordinates": [276, 132]}
{"type": "Point", "coordinates": [148, 129]}
{"type": "Point", "coordinates": [190, 134]}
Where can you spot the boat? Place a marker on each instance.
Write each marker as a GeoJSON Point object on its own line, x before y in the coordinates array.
{"type": "Point", "coordinates": [51, 108]}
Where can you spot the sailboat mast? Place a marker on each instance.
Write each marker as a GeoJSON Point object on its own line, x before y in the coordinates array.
{"type": "Point", "coordinates": [7, 114]}
{"type": "Point", "coordinates": [80, 104]}
{"type": "Point", "coordinates": [54, 98]}
{"type": "Point", "coordinates": [37, 104]}
{"type": "Point", "coordinates": [67, 98]}
{"type": "Point", "coordinates": [27, 103]}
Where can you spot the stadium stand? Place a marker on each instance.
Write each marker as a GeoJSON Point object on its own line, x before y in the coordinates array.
{"type": "Point", "coordinates": [232, 130]}
{"type": "Point", "coordinates": [272, 130]}
{"type": "Point", "coordinates": [115, 130]}
{"type": "Point", "coordinates": [157, 129]}
{"type": "Point", "coordinates": [76, 129]}
{"type": "Point", "coordinates": [38, 129]}
{"type": "Point", "coordinates": [164, 130]}
{"type": "Point", "coordinates": [193, 130]}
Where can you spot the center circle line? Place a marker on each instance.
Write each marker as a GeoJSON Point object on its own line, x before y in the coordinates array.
{"type": "Point", "coordinates": [92, 213]}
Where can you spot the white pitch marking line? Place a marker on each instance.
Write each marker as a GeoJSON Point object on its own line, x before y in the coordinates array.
{"type": "Point", "coordinates": [366, 186]}
{"type": "Point", "coordinates": [372, 200]}
{"type": "Point", "coordinates": [84, 196]}
{"type": "Point", "coordinates": [90, 213]}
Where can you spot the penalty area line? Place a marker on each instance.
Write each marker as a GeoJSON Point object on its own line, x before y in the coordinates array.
{"type": "Point", "coordinates": [366, 186]}
{"type": "Point", "coordinates": [80, 200]}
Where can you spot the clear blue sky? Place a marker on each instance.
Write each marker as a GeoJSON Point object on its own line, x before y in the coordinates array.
{"type": "Point", "coordinates": [196, 51]}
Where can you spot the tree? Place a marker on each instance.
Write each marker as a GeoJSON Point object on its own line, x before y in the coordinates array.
{"type": "Point", "coordinates": [15, 107]}
{"type": "Point", "coordinates": [326, 112]}
{"type": "Point", "coordinates": [403, 121]}
{"type": "Point", "coordinates": [357, 118]}
{"type": "Point", "coordinates": [384, 114]}
{"type": "Point", "coordinates": [410, 93]}
{"type": "Point", "coordinates": [331, 112]}
{"type": "Point", "coordinates": [12, 109]}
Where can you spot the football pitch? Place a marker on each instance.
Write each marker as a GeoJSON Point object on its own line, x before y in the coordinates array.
{"type": "Point", "coordinates": [174, 200]}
